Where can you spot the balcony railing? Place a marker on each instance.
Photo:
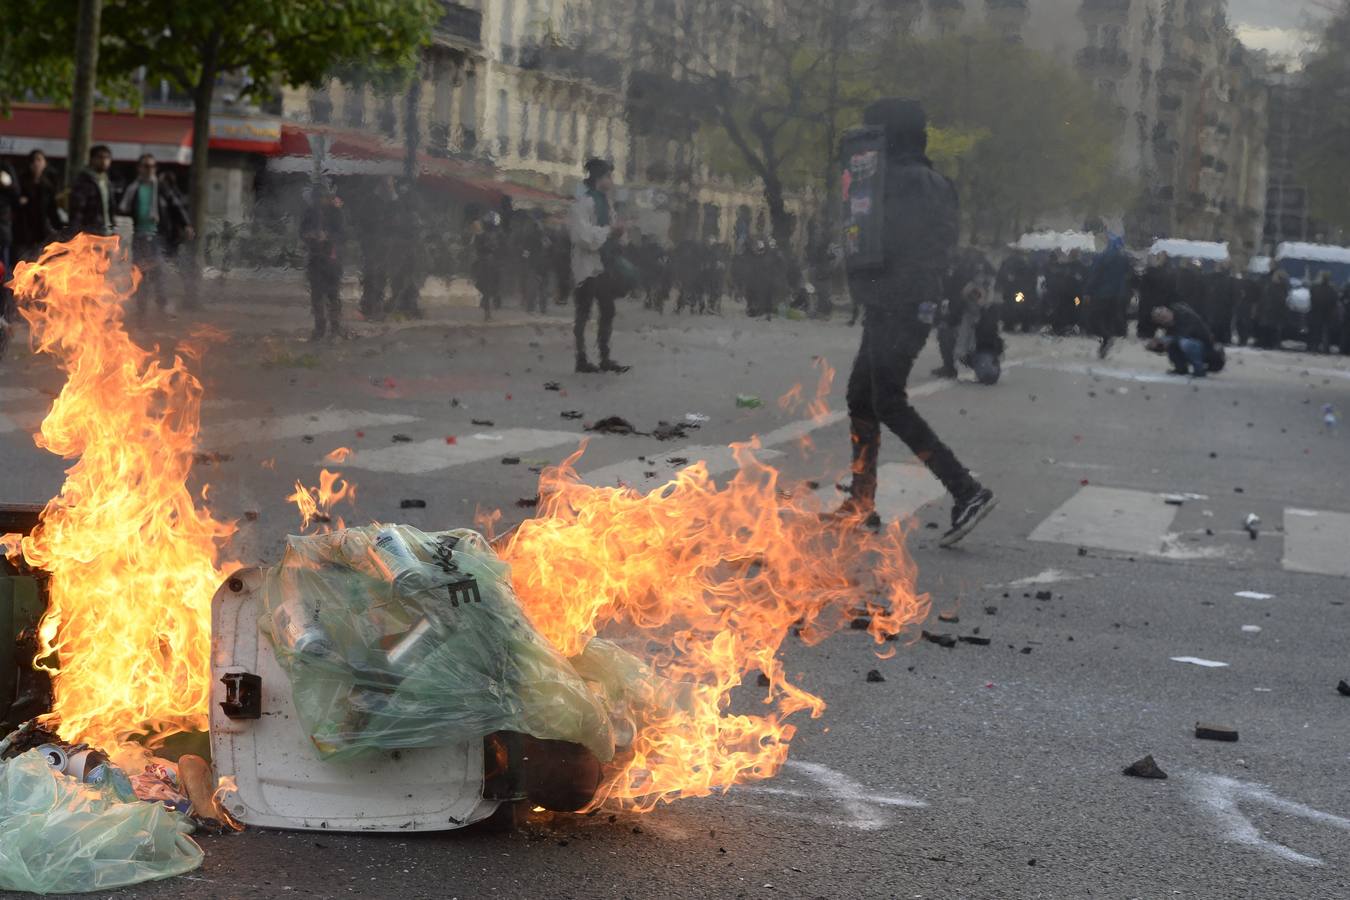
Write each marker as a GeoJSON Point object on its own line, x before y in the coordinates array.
{"type": "Point", "coordinates": [580, 63]}
{"type": "Point", "coordinates": [1115, 12]}
{"type": "Point", "coordinates": [460, 24]}
{"type": "Point", "coordinates": [1106, 61]}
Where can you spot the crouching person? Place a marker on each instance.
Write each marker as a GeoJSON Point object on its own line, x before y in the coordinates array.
{"type": "Point", "coordinates": [1187, 341]}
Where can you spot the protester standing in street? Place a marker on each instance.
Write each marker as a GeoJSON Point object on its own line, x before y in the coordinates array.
{"type": "Point", "coordinates": [176, 235]}
{"type": "Point", "coordinates": [10, 199]}
{"type": "Point", "coordinates": [1272, 311]}
{"type": "Point", "coordinates": [36, 221]}
{"type": "Point", "coordinates": [594, 236]}
{"type": "Point", "coordinates": [1157, 287]}
{"type": "Point", "coordinates": [407, 243]}
{"type": "Point", "coordinates": [91, 199]}
{"type": "Point", "coordinates": [1322, 314]}
{"type": "Point", "coordinates": [153, 211]}
{"type": "Point", "coordinates": [1106, 293]}
{"type": "Point", "coordinates": [900, 299]}
{"type": "Point", "coordinates": [488, 250]}
{"type": "Point", "coordinates": [376, 222]}
{"type": "Point", "coordinates": [1017, 282]}
{"type": "Point", "coordinates": [323, 230]}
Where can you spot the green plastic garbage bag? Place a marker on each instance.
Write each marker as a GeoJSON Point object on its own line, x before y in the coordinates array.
{"type": "Point", "coordinates": [60, 836]}
{"type": "Point", "coordinates": [394, 638]}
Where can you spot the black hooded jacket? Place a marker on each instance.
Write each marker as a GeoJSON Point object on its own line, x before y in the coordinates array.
{"type": "Point", "coordinates": [922, 215]}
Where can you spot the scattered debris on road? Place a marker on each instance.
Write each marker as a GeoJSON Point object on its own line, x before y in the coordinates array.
{"type": "Point", "coordinates": [1254, 595]}
{"type": "Point", "coordinates": [402, 439]}
{"type": "Point", "coordinates": [1208, 732]}
{"type": "Point", "coordinates": [748, 401]}
{"type": "Point", "coordinates": [975, 640]}
{"type": "Point", "coordinates": [942, 640]}
{"type": "Point", "coordinates": [211, 458]}
{"type": "Point", "coordinates": [875, 677]}
{"type": "Point", "coordinates": [528, 502]}
{"type": "Point", "coordinates": [951, 618]}
{"type": "Point", "coordinates": [572, 414]}
{"type": "Point", "coordinates": [613, 425]}
{"type": "Point", "coordinates": [1343, 689]}
{"type": "Point", "coordinates": [413, 504]}
{"type": "Point", "coordinates": [1253, 525]}
{"type": "Point", "coordinates": [1144, 768]}
{"type": "Point", "coordinates": [1197, 661]}
{"type": "Point", "coordinates": [484, 423]}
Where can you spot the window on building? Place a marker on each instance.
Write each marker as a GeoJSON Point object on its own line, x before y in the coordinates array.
{"type": "Point", "coordinates": [507, 28]}
{"type": "Point", "coordinates": [503, 123]}
{"type": "Point", "coordinates": [468, 112]}
{"type": "Point", "coordinates": [525, 143]}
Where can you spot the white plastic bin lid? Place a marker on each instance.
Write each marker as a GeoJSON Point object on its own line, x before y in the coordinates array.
{"type": "Point", "coordinates": [279, 779]}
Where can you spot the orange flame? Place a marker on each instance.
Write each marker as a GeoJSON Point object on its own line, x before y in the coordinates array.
{"type": "Point", "coordinates": [132, 559]}
{"type": "Point", "coordinates": [338, 456]}
{"type": "Point", "coordinates": [315, 504]}
{"type": "Point", "coordinates": [713, 580]}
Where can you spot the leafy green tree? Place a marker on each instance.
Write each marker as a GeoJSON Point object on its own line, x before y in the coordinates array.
{"type": "Point", "coordinates": [1038, 139]}
{"type": "Point", "coordinates": [1324, 155]}
{"type": "Point", "coordinates": [293, 42]}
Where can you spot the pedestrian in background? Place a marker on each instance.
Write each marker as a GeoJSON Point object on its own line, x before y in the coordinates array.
{"type": "Point", "coordinates": [489, 247]}
{"type": "Point", "coordinates": [1157, 287]}
{"type": "Point", "coordinates": [408, 246]}
{"type": "Point", "coordinates": [10, 198]}
{"type": "Point", "coordinates": [37, 220]}
{"type": "Point", "coordinates": [376, 223]}
{"type": "Point", "coordinates": [91, 196]}
{"type": "Point", "coordinates": [1322, 314]}
{"type": "Point", "coordinates": [1106, 294]}
{"type": "Point", "coordinates": [324, 231]}
{"type": "Point", "coordinates": [1272, 311]}
{"type": "Point", "coordinates": [176, 233]}
{"type": "Point", "coordinates": [595, 235]}
{"type": "Point", "coordinates": [921, 224]}
{"type": "Point", "coordinates": [149, 207]}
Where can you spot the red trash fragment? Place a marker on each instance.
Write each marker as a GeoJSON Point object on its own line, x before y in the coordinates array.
{"type": "Point", "coordinates": [360, 434]}
{"type": "Point", "coordinates": [508, 396]}
{"type": "Point", "coordinates": [451, 439]}
{"type": "Point", "coordinates": [1084, 482]}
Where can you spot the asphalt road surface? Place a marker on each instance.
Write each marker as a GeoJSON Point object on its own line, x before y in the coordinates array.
{"type": "Point", "coordinates": [980, 771]}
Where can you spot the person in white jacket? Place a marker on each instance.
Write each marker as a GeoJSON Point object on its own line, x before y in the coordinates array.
{"type": "Point", "coordinates": [594, 235]}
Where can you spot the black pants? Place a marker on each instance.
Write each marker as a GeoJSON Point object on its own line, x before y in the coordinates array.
{"type": "Point", "coordinates": [325, 302]}
{"type": "Point", "coordinates": [891, 341]}
{"type": "Point", "coordinates": [1106, 317]}
{"type": "Point", "coordinates": [594, 291]}
{"type": "Point", "coordinates": [1321, 327]}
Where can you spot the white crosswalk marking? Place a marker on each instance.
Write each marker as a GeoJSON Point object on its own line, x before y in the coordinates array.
{"type": "Point", "coordinates": [1317, 541]}
{"type": "Point", "coordinates": [902, 490]}
{"type": "Point", "coordinates": [421, 457]}
{"type": "Point", "coordinates": [261, 430]}
{"type": "Point", "coordinates": [1110, 519]}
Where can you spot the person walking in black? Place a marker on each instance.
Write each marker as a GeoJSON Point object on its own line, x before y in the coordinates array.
{"type": "Point", "coordinates": [489, 248]}
{"type": "Point", "coordinates": [91, 197]}
{"type": "Point", "coordinates": [324, 232]}
{"type": "Point", "coordinates": [900, 299]}
{"type": "Point", "coordinates": [1222, 294]}
{"type": "Point", "coordinates": [408, 243]}
{"type": "Point", "coordinates": [1105, 293]}
{"type": "Point", "coordinates": [10, 198]}
{"type": "Point", "coordinates": [595, 236]}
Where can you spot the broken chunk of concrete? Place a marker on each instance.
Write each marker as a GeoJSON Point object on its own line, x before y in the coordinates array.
{"type": "Point", "coordinates": [1144, 768]}
{"type": "Point", "coordinates": [1343, 689]}
{"type": "Point", "coordinates": [1044, 595]}
{"type": "Point", "coordinates": [1208, 732]}
{"type": "Point", "coordinates": [875, 677]}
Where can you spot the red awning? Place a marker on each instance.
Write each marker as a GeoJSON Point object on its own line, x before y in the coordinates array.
{"type": "Point", "coordinates": [166, 134]}
{"type": "Point", "coordinates": [347, 152]}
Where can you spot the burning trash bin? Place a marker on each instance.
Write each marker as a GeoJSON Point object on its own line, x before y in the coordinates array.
{"type": "Point", "coordinates": [382, 678]}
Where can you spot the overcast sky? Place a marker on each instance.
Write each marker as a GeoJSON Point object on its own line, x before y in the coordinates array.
{"type": "Point", "coordinates": [1280, 26]}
